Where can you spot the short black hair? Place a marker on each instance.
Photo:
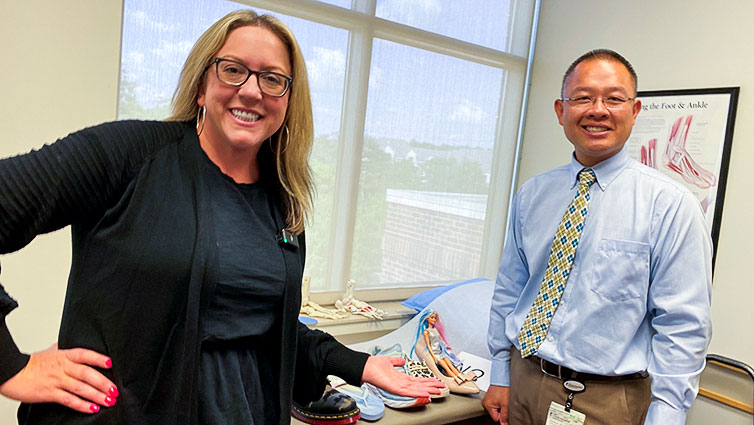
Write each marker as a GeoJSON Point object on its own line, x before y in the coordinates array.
{"type": "Point", "coordinates": [600, 54]}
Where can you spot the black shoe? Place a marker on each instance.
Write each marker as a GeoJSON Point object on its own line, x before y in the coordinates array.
{"type": "Point", "coordinates": [334, 408]}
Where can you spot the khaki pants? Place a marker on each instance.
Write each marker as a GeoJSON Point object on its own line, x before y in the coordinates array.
{"type": "Point", "coordinates": [603, 402]}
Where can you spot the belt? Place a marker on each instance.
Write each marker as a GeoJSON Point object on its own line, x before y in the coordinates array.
{"type": "Point", "coordinates": [563, 373]}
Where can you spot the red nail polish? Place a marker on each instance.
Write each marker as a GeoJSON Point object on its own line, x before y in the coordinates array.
{"type": "Point", "coordinates": [109, 401]}
{"type": "Point", "coordinates": [113, 391]}
{"type": "Point", "coordinates": [94, 408]}
{"type": "Point", "coordinates": [109, 363]}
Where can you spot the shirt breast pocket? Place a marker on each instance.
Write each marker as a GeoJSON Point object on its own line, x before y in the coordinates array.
{"type": "Point", "coordinates": [622, 270]}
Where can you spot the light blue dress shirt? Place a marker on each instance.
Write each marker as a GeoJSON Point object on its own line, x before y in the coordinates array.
{"type": "Point", "coordinates": [638, 296]}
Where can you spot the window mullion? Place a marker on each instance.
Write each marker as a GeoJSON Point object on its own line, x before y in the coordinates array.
{"type": "Point", "coordinates": [349, 158]}
{"type": "Point", "coordinates": [312, 10]}
{"type": "Point", "coordinates": [501, 173]}
{"type": "Point", "coordinates": [522, 22]}
{"type": "Point", "coordinates": [494, 245]}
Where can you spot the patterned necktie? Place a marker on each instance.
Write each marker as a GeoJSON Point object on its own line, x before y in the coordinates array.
{"type": "Point", "coordinates": [559, 264]}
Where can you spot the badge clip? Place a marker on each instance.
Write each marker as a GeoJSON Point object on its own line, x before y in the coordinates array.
{"type": "Point", "coordinates": [574, 386]}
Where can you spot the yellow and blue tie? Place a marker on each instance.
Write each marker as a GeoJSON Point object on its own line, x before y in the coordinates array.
{"type": "Point", "coordinates": [559, 264]}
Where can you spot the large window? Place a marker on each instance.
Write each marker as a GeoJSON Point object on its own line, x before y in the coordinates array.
{"type": "Point", "coordinates": [416, 114]}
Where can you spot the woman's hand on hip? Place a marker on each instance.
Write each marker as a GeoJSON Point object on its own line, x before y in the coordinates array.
{"type": "Point", "coordinates": [65, 377]}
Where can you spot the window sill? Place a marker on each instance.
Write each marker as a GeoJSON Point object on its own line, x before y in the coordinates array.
{"type": "Point", "coordinates": [357, 328]}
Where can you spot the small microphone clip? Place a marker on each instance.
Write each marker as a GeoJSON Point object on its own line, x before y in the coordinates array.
{"type": "Point", "coordinates": [287, 239]}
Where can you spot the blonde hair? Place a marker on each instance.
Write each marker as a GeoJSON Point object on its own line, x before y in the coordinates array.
{"type": "Point", "coordinates": [292, 142]}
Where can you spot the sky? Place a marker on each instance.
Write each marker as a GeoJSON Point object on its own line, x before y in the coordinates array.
{"type": "Point", "coordinates": [413, 94]}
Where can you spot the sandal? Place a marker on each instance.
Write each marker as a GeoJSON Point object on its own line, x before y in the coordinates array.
{"type": "Point", "coordinates": [459, 384]}
{"type": "Point", "coordinates": [410, 367]}
{"type": "Point", "coordinates": [420, 370]}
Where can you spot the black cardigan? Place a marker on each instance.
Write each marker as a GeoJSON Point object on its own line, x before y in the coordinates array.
{"type": "Point", "coordinates": [143, 250]}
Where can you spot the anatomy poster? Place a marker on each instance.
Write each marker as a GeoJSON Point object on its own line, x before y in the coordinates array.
{"type": "Point", "coordinates": [686, 134]}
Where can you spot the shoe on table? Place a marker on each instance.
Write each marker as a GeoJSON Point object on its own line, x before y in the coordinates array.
{"type": "Point", "coordinates": [411, 367]}
{"type": "Point", "coordinates": [463, 384]}
{"type": "Point", "coordinates": [334, 408]}
{"type": "Point", "coordinates": [397, 401]}
{"type": "Point", "coordinates": [420, 370]}
{"type": "Point", "coordinates": [371, 406]}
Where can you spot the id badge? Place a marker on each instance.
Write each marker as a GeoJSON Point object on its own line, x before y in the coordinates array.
{"type": "Point", "coordinates": [557, 415]}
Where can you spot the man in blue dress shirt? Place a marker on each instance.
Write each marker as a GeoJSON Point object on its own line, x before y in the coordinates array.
{"type": "Point", "coordinates": [627, 341]}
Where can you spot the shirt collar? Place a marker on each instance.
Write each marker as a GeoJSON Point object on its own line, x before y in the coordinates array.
{"type": "Point", "coordinates": [606, 171]}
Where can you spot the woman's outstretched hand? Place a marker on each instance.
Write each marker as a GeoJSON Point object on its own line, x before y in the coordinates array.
{"type": "Point", "coordinates": [380, 371]}
{"type": "Point", "coordinates": [65, 377]}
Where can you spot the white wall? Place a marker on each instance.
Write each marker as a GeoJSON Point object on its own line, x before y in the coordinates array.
{"type": "Point", "coordinates": [673, 44]}
{"type": "Point", "coordinates": [74, 48]}
{"type": "Point", "coordinates": [58, 73]}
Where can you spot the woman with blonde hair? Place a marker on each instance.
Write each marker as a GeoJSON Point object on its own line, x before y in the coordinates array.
{"type": "Point", "coordinates": [188, 252]}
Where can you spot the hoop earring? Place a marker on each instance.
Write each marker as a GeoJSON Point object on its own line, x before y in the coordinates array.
{"type": "Point", "coordinates": [287, 140]}
{"type": "Point", "coordinates": [203, 112]}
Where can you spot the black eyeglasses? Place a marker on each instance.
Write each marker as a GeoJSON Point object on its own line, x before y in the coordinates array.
{"type": "Point", "coordinates": [237, 74]}
{"type": "Point", "coordinates": [610, 102]}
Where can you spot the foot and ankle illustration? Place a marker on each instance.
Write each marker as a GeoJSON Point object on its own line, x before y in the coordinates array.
{"type": "Point", "coordinates": [677, 158]}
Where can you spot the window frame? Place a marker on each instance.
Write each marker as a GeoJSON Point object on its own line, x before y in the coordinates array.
{"type": "Point", "coordinates": [363, 27]}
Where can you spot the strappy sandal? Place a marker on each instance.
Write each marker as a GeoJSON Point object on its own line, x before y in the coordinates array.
{"type": "Point", "coordinates": [410, 367]}
{"type": "Point", "coordinates": [420, 370]}
{"type": "Point", "coordinates": [466, 386]}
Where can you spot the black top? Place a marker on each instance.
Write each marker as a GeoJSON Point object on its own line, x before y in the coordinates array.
{"type": "Point", "coordinates": [249, 289]}
{"type": "Point", "coordinates": [236, 361]}
{"type": "Point", "coordinates": [145, 263]}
